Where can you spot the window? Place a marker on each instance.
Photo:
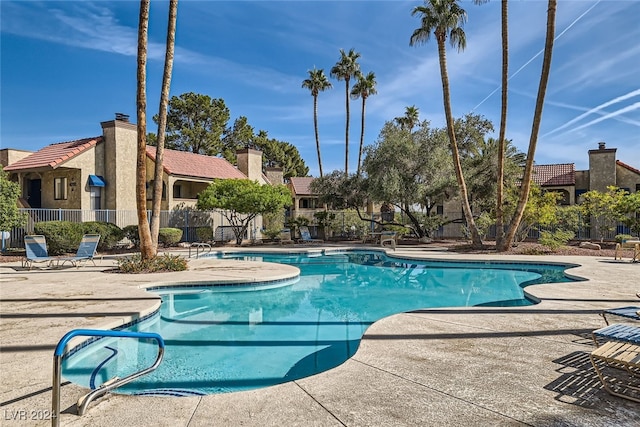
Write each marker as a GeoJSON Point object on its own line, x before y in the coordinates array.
{"type": "Point", "coordinates": [177, 191]}
{"type": "Point", "coordinates": [308, 203]}
{"type": "Point", "coordinates": [95, 195]}
{"type": "Point", "coordinates": [60, 188]}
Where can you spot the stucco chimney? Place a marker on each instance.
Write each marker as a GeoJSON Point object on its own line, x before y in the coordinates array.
{"type": "Point", "coordinates": [119, 164]}
{"type": "Point", "coordinates": [602, 168]}
{"type": "Point", "coordinates": [250, 163]}
{"type": "Point", "coordinates": [275, 175]}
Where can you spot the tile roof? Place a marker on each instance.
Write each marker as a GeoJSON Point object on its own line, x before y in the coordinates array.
{"type": "Point", "coordinates": [54, 155]}
{"type": "Point", "coordinates": [626, 166]}
{"type": "Point", "coordinates": [301, 185]}
{"type": "Point", "coordinates": [551, 175]}
{"type": "Point", "coordinates": [196, 165]}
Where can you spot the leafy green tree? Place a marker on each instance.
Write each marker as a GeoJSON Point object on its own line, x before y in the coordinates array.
{"type": "Point", "coordinates": [338, 191]}
{"type": "Point", "coordinates": [316, 83]}
{"type": "Point", "coordinates": [10, 215]}
{"type": "Point", "coordinates": [242, 200]}
{"type": "Point", "coordinates": [365, 86]}
{"type": "Point", "coordinates": [280, 153]}
{"type": "Point", "coordinates": [346, 68]}
{"type": "Point", "coordinates": [196, 123]}
{"type": "Point", "coordinates": [540, 210]}
{"type": "Point", "coordinates": [409, 169]}
{"type": "Point", "coordinates": [445, 18]}
{"type": "Point", "coordinates": [603, 208]}
{"type": "Point", "coordinates": [629, 208]}
{"type": "Point", "coordinates": [239, 136]}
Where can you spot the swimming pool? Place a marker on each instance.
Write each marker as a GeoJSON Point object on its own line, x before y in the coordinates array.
{"type": "Point", "coordinates": [229, 338]}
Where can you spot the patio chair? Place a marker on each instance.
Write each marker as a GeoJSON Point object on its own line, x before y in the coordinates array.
{"type": "Point", "coordinates": [305, 236]}
{"type": "Point", "coordinates": [625, 358]}
{"type": "Point", "coordinates": [617, 332]}
{"type": "Point", "coordinates": [388, 237]}
{"type": "Point", "coordinates": [634, 245]}
{"type": "Point", "coordinates": [285, 237]}
{"type": "Point", "coordinates": [627, 313]}
{"type": "Point", "coordinates": [36, 251]}
{"type": "Point", "coordinates": [86, 251]}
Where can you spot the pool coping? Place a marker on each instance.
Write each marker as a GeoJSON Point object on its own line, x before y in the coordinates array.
{"type": "Point", "coordinates": [344, 400]}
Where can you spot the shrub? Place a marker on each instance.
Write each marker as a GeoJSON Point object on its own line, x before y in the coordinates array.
{"type": "Point", "coordinates": [204, 234]}
{"type": "Point", "coordinates": [169, 236]}
{"type": "Point", "coordinates": [554, 240]}
{"type": "Point", "coordinates": [110, 234]}
{"type": "Point", "coordinates": [161, 263]}
{"type": "Point", "coordinates": [623, 237]}
{"type": "Point", "coordinates": [131, 233]}
{"type": "Point", "coordinates": [62, 236]}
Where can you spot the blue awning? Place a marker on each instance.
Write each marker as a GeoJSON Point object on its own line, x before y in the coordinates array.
{"type": "Point", "coordinates": [96, 181]}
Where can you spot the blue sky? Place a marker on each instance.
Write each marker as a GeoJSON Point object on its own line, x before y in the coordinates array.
{"type": "Point", "coordinates": [67, 66]}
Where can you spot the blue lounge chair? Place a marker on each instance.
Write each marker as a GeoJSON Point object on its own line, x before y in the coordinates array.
{"type": "Point", "coordinates": [86, 251]}
{"type": "Point", "coordinates": [36, 251]}
{"type": "Point", "coordinates": [305, 236]}
{"type": "Point", "coordinates": [628, 313]}
{"type": "Point", "coordinates": [617, 332]}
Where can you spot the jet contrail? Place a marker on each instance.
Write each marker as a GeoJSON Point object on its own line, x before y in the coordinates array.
{"type": "Point", "coordinates": [595, 110]}
{"type": "Point", "coordinates": [626, 109]}
{"type": "Point", "coordinates": [537, 54]}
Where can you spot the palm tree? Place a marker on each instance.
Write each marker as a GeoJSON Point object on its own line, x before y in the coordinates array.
{"type": "Point", "coordinates": [147, 250]}
{"type": "Point", "coordinates": [344, 69]}
{"type": "Point", "coordinates": [316, 83]}
{"type": "Point", "coordinates": [535, 127]}
{"type": "Point", "coordinates": [364, 87]}
{"type": "Point", "coordinates": [502, 144]}
{"type": "Point", "coordinates": [410, 118]}
{"type": "Point", "coordinates": [162, 123]}
{"type": "Point", "coordinates": [441, 17]}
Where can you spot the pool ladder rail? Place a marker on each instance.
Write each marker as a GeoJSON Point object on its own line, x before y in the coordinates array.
{"type": "Point", "coordinates": [106, 387]}
{"type": "Point", "coordinates": [199, 247]}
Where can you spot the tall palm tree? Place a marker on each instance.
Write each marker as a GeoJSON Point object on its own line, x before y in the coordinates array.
{"type": "Point", "coordinates": [346, 67]}
{"type": "Point", "coordinates": [365, 86]}
{"type": "Point", "coordinates": [445, 18]}
{"type": "Point", "coordinates": [147, 250]}
{"type": "Point", "coordinates": [535, 127]}
{"type": "Point", "coordinates": [316, 83]}
{"type": "Point", "coordinates": [162, 123]}
{"type": "Point", "coordinates": [502, 144]}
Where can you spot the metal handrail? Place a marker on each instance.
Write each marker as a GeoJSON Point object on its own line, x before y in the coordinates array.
{"type": "Point", "coordinates": [104, 388]}
{"type": "Point", "coordinates": [199, 246]}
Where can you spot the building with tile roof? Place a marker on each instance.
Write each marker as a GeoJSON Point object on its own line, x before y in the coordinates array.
{"type": "Point", "coordinates": [99, 173]}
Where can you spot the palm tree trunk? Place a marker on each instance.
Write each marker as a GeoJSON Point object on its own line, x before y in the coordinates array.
{"type": "Point", "coordinates": [315, 125]}
{"type": "Point", "coordinates": [503, 127]}
{"type": "Point", "coordinates": [364, 100]}
{"type": "Point", "coordinates": [146, 245]}
{"type": "Point", "coordinates": [346, 135]}
{"type": "Point", "coordinates": [162, 124]}
{"type": "Point", "coordinates": [537, 117]}
{"type": "Point", "coordinates": [475, 235]}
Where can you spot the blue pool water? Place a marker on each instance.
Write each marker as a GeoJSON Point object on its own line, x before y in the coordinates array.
{"type": "Point", "coordinates": [231, 338]}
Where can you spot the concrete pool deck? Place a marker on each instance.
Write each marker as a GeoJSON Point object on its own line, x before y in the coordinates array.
{"type": "Point", "coordinates": [438, 367]}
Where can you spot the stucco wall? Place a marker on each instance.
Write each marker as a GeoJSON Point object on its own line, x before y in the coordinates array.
{"type": "Point", "coordinates": [627, 179]}
{"type": "Point", "coordinates": [10, 155]}
{"type": "Point", "coordinates": [602, 168]}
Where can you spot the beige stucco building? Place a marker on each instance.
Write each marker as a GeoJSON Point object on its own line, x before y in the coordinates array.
{"type": "Point", "coordinates": [99, 173]}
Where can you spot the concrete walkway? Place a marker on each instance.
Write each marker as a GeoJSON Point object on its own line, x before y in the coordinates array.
{"type": "Point", "coordinates": [445, 367]}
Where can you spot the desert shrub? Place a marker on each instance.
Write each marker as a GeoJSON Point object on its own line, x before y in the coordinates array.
{"type": "Point", "coordinates": [619, 238]}
{"type": "Point", "coordinates": [555, 239]}
{"type": "Point", "coordinates": [169, 236]}
{"type": "Point", "coordinates": [131, 233]}
{"type": "Point", "coordinates": [62, 236]}
{"type": "Point", "coordinates": [161, 263]}
{"type": "Point", "coordinates": [110, 234]}
{"type": "Point", "coordinates": [204, 234]}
